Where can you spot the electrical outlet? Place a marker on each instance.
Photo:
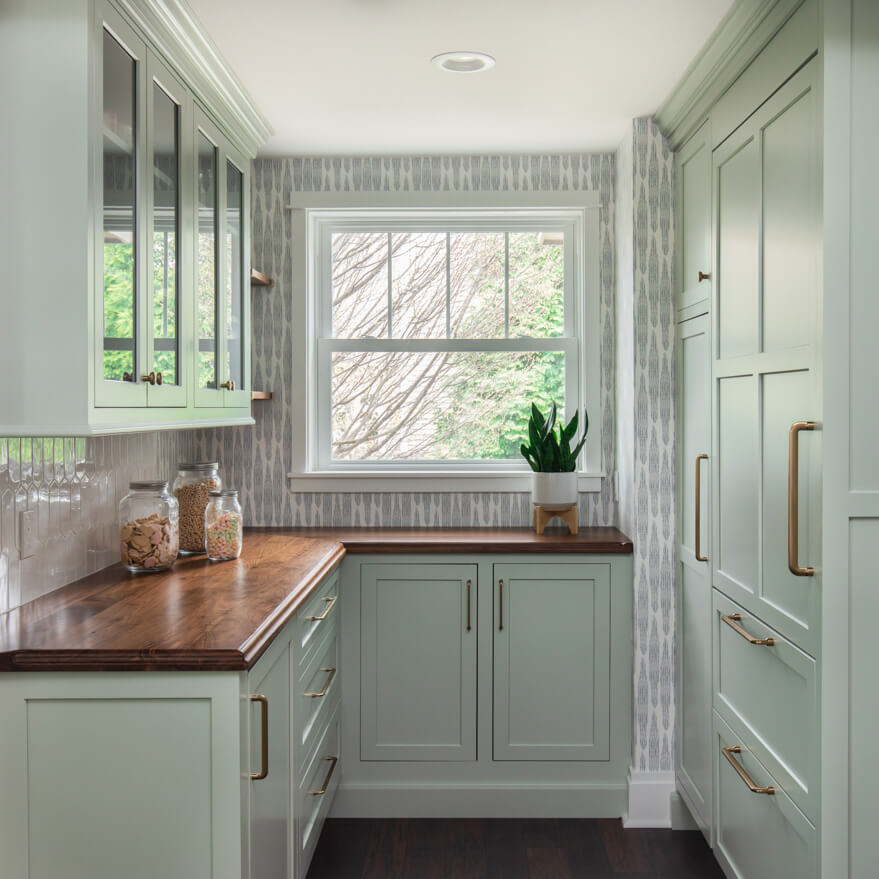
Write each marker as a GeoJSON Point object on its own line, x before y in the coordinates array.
{"type": "Point", "coordinates": [27, 534]}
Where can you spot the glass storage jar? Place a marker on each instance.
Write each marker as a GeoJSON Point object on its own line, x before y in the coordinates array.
{"type": "Point", "coordinates": [192, 486]}
{"type": "Point", "coordinates": [223, 525]}
{"type": "Point", "coordinates": [148, 527]}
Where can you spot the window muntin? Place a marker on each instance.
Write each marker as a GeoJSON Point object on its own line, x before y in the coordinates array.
{"type": "Point", "coordinates": [435, 334]}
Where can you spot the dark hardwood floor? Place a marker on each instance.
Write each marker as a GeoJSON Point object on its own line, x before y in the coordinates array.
{"type": "Point", "coordinates": [483, 848]}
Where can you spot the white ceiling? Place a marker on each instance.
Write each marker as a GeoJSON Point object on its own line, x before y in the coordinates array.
{"type": "Point", "coordinates": [346, 77]}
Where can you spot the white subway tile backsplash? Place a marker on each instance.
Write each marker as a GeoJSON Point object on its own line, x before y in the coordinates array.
{"type": "Point", "coordinates": [73, 486]}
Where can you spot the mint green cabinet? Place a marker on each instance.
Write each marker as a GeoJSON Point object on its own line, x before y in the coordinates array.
{"type": "Point", "coordinates": [551, 637]}
{"type": "Point", "coordinates": [693, 593]}
{"type": "Point", "coordinates": [418, 662]}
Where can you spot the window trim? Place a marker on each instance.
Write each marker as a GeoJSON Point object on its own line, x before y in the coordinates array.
{"type": "Point", "coordinates": [310, 209]}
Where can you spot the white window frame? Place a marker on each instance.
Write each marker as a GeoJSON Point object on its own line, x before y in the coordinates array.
{"type": "Point", "coordinates": [314, 215]}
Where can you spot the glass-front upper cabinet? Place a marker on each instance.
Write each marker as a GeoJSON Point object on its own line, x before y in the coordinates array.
{"type": "Point", "coordinates": [168, 370]}
{"type": "Point", "coordinates": [222, 271]}
{"type": "Point", "coordinates": [118, 354]}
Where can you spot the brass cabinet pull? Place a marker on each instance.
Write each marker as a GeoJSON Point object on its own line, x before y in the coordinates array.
{"type": "Point", "coordinates": [330, 602]}
{"type": "Point", "coordinates": [150, 377]}
{"type": "Point", "coordinates": [229, 385]}
{"type": "Point", "coordinates": [732, 620]}
{"type": "Point", "coordinates": [735, 749]}
{"type": "Point", "coordinates": [326, 785]}
{"type": "Point", "coordinates": [793, 499]}
{"type": "Point", "coordinates": [469, 587]}
{"type": "Point", "coordinates": [264, 719]}
{"type": "Point", "coordinates": [699, 556]}
{"type": "Point", "coordinates": [704, 276]}
{"type": "Point", "coordinates": [500, 626]}
{"type": "Point", "coordinates": [323, 692]}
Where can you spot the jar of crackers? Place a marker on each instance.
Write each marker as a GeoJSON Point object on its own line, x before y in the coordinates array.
{"type": "Point", "coordinates": [148, 527]}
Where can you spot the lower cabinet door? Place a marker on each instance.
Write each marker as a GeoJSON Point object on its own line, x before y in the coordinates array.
{"type": "Point", "coordinates": [551, 661]}
{"type": "Point", "coordinates": [759, 835]}
{"type": "Point", "coordinates": [270, 824]}
{"type": "Point", "coordinates": [418, 662]}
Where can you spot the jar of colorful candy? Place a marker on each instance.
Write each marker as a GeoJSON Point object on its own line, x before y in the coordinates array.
{"type": "Point", "coordinates": [223, 525]}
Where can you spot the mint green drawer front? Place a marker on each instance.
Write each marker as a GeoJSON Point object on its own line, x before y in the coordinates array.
{"type": "Point", "coordinates": [769, 695]}
{"type": "Point", "coordinates": [758, 836]}
{"type": "Point", "coordinates": [317, 694]}
{"type": "Point", "coordinates": [318, 615]}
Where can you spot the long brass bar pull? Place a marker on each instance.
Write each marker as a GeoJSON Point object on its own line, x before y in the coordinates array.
{"type": "Point", "coordinates": [326, 785]}
{"type": "Point", "coordinates": [699, 556]}
{"type": "Point", "coordinates": [500, 625]}
{"type": "Point", "coordinates": [321, 693]}
{"type": "Point", "coordinates": [793, 499]}
{"type": "Point", "coordinates": [264, 746]}
{"type": "Point", "coordinates": [469, 588]}
{"type": "Point", "coordinates": [742, 773]}
{"type": "Point", "coordinates": [732, 620]}
{"type": "Point", "coordinates": [330, 602]}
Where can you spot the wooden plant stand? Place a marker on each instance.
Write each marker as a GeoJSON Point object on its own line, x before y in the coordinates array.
{"type": "Point", "coordinates": [568, 515]}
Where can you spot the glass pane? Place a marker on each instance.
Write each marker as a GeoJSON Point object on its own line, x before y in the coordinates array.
{"type": "Point", "coordinates": [234, 290]}
{"type": "Point", "coordinates": [537, 284]}
{"type": "Point", "coordinates": [476, 285]}
{"type": "Point", "coordinates": [120, 77]}
{"type": "Point", "coordinates": [439, 406]}
{"type": "Point", "coordinates": [207, 263]}
{"type": "Point", "coordinates": [360, 285]}
{"type": "Point", "coordinates": [418, 285]}
{"type": "Point", "coordinates": [166, 161]}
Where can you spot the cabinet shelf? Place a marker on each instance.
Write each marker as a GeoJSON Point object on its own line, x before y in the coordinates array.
{"type": "Point", "coordinates": [261, 395]}
{"type": "Point", "coordinates": [258, 279]}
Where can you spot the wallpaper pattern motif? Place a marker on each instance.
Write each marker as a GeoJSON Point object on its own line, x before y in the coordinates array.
{"type": "Point", "coordinates": [74, 486]}
{"type": "Point", "coordinates": [653, 472]}
{"type": "Point", "coordinates": [257, 460]}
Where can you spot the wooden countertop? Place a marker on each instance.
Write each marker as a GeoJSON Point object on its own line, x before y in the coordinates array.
{"type": "Point", "coordinates": [198, 616]}
{"type": "Point", "coordinates": [204, 616]}
{"type": "Point", "coordinates": [466, 540]}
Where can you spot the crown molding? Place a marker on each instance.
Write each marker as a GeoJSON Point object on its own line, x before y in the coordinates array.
{"type": "Point", "coordinates": [738, 39]}
{"type": "Point", "coordinates": [173, 29]}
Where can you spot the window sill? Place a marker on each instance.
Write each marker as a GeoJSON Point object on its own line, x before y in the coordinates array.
{"type": "Point", "coordinates": [426, 481]}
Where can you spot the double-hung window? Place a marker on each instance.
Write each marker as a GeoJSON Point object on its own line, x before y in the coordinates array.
{"type": "Point", "coordinates": [433, 331]}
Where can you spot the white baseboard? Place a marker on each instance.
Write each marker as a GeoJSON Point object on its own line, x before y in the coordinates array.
{"type": "Point", "coordinates": [479, 801]}
{"type": "Point", "coordinates": [649, 799]}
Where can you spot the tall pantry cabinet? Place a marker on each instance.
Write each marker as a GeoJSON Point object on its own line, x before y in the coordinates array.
{"type": "Point", "coordinates": [749, 462]}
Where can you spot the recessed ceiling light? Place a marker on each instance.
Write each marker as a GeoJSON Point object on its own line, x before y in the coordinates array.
{"type": "Point", "coordinates": [463, 62]}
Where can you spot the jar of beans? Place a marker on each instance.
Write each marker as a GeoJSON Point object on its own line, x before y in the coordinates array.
{"type": "Point", "coordinates": [192, 487]}
{"type": "Point", "coordinates": [148, 534]}
{"type": "Point", "coordinates": [223, 525]}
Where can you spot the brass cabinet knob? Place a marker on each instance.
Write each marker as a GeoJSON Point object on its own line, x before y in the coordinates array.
{"type": "Point", "coordinates": [229, 385]}
{"type": "Point", "coordinates": [127, 377]}
{"type": "Point", "coordinates": [158, 378]}
{"type": "Point", "coordinates": [703, 276]}
{"type": "Point", "coordinates": [150, 377]}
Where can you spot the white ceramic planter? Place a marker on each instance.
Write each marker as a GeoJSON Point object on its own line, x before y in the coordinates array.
{"type": "Point", "coordinates": [554, 490]}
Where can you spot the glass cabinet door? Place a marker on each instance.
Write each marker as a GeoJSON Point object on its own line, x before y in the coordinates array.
{"type": "Point", "coordinates": [167, 386]}
{"type": "Point", "coordinates": [207, 270]}
{"type": "Point", "coordinates": [236, 290]}
{"type": "Point", "coordinates": [120, 355]}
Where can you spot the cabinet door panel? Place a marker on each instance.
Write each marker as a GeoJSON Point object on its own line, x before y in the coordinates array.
{"type": "Point", "coordinates": [694, 198]}
{"type": "Point", "coordinates": [738, 233]}
{"type": "Point", "coordinates": [270, 820]}
{"type": "Point", "coordinates": [737, 546]}
{"type": "Point", "coordinates": [418, 662]}
{"type": "Point", "coordinates": [551, 662]}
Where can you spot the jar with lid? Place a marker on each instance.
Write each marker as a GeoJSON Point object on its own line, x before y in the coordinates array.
{"type": "Point", "coordinates": [148, 527]}
{"type": "Point", "coordinates": [192, 486]}
{"type": "Point", "coordinates": [223, 525]}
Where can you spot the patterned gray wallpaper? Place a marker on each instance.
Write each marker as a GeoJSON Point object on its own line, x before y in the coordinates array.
{"type": "Point", "coordinates": [257, 460]}
{"type": "Point", "coordinates": [646, 168]}
{"type": "Point", "coordinates": [74, 486]}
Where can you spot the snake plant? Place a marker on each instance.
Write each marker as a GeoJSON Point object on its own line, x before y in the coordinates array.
{"type": "Point", "coordinates": [547, 453]}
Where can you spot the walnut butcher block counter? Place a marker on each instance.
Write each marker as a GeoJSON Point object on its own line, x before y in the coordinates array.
{"type": "Point", "coordinates": [198, 616]}
{"type": "Point", "coordinates": [203, 616]}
